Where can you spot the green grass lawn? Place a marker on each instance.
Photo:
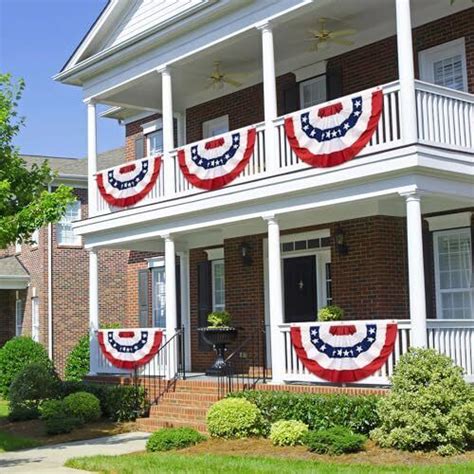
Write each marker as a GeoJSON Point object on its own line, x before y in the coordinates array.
{"type": "Point", "coordinates": [171, 462]}
{"type": "Point", "coordinates": [3, 408]}
{"type": "Point", "coordinates": [10, 442]}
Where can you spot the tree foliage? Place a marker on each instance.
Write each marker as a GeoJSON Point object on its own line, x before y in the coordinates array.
{"type": "Point", "coordinates": [25, 203]}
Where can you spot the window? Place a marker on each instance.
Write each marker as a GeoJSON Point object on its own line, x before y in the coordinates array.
{"type": "Point", "coordinates": [139, 148]}
{"type": "Point", "coordinates": [445, 65]}
{"type": "Point", "coordinates": [159, 297]}
{"type": "Point", "coordinates": [214, 127]}
{"type": "Point", "coordinates": [218, 285]}
{"type": "Point", "coordinates": [18, 317]}
{"type": "Point", "coordinates": [35, 325]}
{"type": "Point", "coordinates": [313, 91]}
{"type": "Point", "coordinates": [35, 238]}
{"type": "Point", "coordinates": [65, 233]}
{"type": "Point", "coordinates": [155, 142]}
{"type": "Point", "coordinates": [17, 247]}
{"type": "Point", "coordinates": [453, 273]}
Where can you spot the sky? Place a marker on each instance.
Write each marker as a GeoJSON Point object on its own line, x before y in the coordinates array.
{"type": "Point", "coordinates": [36, 39]}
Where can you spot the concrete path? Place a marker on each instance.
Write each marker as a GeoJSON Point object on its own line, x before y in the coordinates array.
{"type": "Point", "coordinates": [51, 459]}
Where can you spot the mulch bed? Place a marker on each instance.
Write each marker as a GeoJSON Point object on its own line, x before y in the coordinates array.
{"type": "Point", "coordinates": [372, 455]}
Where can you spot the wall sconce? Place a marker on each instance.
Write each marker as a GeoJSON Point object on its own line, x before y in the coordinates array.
{"type": "Point", "coordinates": [341, 246]}
{"type": "Point", "coordinates": [245, 253]}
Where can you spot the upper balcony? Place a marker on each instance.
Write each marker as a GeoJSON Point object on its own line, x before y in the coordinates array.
{"type": "Point", "coordinates": [422, 127]}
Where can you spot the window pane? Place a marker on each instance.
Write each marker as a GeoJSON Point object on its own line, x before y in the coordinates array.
{"type": "Point", "coordinates": [65, 233]}
{"type": "Point", "coordinates": [155, 141]}
{"type": "Point", "coordinates": [139, 148]}
{"type": "Point", "coordinates": [448, 72]}
{"type": "Point", "coordinates": [218, 285]}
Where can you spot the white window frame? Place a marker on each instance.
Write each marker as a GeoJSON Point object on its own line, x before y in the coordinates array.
{"type": "Point", "coordinates": [428, 57]}
{"type": "Point", "coordinates": [35, 319]}
{"type": "Point", "coordinates": [150, 128]}
{"type": "Point", "coordinates": [219, 122]}
{"type": "Point", "coordinates": [35, 239]}
{"type": "Point", "coordinates": [438, 290]}
{"type": "Point", "coordinates": [152, 151]}
{"type": "Point", "coordinates": [17, 247]}
{"type": "Point", "coordinates": [19, 316]}
{"type": "Point", "coordinates": [76, 240]}
{"type": "Point", "coordinates": [314, 80]}
{"type": "Point", "coordinates": [158, 271]}
{"type": "Point", "coordinates": [214, 264]}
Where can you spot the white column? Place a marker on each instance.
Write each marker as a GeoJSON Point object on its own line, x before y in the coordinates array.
{"type": "Point", "coordinates": [168, 129]}
{"type": "Point", "coordinates": [269, 96]}
{"type": "Point", "coordinates": [406, 71]}
{"type": "Point", "coordinates": [170, 289]}
{"type": "Point", "coordinates": [93, 310]}
{"type": "Point", "coordinates": [91, 157]}
{"type": "Point", "coordinates": [275, 299]}
{"type": "Point", "coordinates": [416, 271]}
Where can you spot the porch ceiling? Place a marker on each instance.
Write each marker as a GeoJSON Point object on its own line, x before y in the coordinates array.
{"type": "Point", "coordinates": [373, 20]}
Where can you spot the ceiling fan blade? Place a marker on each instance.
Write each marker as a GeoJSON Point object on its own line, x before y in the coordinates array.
{"type": "Point", "coordinates": [341, 41]}
{"type": "Point", "coordinates": [339, 33]}
{"type": "Point", "coordinates": [232, 82]}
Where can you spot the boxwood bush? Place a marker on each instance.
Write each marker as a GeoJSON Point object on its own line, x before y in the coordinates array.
{"type": "Point", "coordinates": [15, 355]}
{"type": "Point", "coordinates": [430, 406]}
{"type": "Point", "coordinates": [173, 438]}
{"type": "Point", "coordinates": [82, 405]}
{"type": "Point", "coordinates": [234, 418]}
{"type": "Point", "coordinates": [59, 424]}
{"type": "Point", "coordinates": [318, 411]}
{"type": "Point", "coordinates": [288, 432]}
{"type": "Point", "coordinates": [335, 440]}
{"type": "Point", "coordinates": [77, 362]}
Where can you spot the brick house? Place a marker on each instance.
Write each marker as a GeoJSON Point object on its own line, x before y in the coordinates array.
{"type": "Point", "coordinates": [44, 286]}
{"type": "Point", "coordinates": [387, 235]}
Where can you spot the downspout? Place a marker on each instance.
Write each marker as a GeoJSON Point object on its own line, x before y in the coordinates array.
{"type": "Point", "coordinates": [50, 288]}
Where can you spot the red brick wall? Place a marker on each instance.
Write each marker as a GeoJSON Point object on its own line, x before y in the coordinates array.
{"type": "Point", "coordinates": [7, 315]}
{"type": "Point", "coordinates": [376, 63]}
{"type": "Point", "coordinates": [132, 132]}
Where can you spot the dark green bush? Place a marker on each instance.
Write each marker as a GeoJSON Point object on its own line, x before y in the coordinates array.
{"type": "Point", "coordinates": [173, 438]}
{"type": "Point", "coordinates": [83, 405]}
{"type": "Point", "coordinates": [318, 411]}
{"type": "Point", "coordinates": [234, 418]}
{"type": "Point", "coordinates": [335, 440]}
{"type": "Point", "coordinates": [77, 362]}
{"type": "Point", "coordinates": [52, 408]}
{"type": "Point", "coordinates": [33, 384]}
{"type": "Point", "coordinates": [430, 406]}
{"type": "Point", "coordinates": [17, 354]}
{"type": "Point", "coordinates": [60, 424]}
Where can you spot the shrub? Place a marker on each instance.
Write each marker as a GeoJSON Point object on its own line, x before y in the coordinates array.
{"type": "Point", "coordinates": [430, 406]}
{"type": "Point", "coordinates": [124, 402]}
{"type": "Point", "coordinates": [60, 424]}
{"type": "Point", "coordinates": [173, 438]}
{"type": "Point", "coordinates": [15, 355]}
{"type": "Point", "coordinates": [234, 418]}
{"type": "Point", "coordinates": [32, 385]}
{"type": "Point", "coordinates": [218, 319]}
{"type": "Point", "coordinates": [330, 313]}
{"type": "Point", "coordinates": [52, 408]}
{"type": "Point", "coordinates": [83, 405]}
{"type": "Point", "coordinates": [318, 411]}
{"type": "Point", "coordinates": [288, 432]}
{"type": "Point", "coordinates": [335, 440]}
{"type": "Point", "coordinates": [77, 363]}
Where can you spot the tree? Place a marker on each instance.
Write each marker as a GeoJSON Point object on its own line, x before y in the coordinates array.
{"type": "Point", "coordinates": [25, 203]}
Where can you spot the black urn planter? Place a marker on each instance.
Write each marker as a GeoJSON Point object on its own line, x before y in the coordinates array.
{"type": "Point", "coordinates": [219, 338]}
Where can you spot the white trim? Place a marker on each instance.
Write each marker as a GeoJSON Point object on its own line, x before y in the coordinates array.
{"type": "Point", "coordinates": [315, 234]}
{"type": "Point", "coordinates": [449, 221]}
{"type": "Point", "coordinates": [35, 318]}
{"type": "Point", "coordinates": [218, 122]}
{"type": "Point", "coordinates": [215, 254]}
{"type": "Point", "coordinates": [19, 302]}
{"type": "Point", "coordinates": [152, 126]}
{"type": "Point", "coordinates": [428, 57]}
{"type": "Point", "coordinates": [156, 262]}
{"type": "Point", "coordinates": [312, 70]}
{"type": "Point", "coordinates": [9, 282]}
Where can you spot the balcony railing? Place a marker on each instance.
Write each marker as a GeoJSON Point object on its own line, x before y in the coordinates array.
{"type": "Point", "coordinates": [454, 338]}
{"type": "Point", "coordinates": [444, 118]}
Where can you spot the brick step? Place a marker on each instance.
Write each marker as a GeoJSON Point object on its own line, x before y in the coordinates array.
{"type": "Point", "coordinates": [150, 424]}
{"type": "Point", "coordinates": [174, 410]}
{"type": "Point", "coordinates": [189, 397]}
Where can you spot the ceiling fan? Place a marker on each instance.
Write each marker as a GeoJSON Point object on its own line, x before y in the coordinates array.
{"type": "Point", "coordinates": [217, 79]}
{"type": "Point", "coordinates": [320, 38]}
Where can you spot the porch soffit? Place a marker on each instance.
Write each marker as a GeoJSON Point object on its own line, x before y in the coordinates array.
{"type": "Point", "coordinates": [13, 274]}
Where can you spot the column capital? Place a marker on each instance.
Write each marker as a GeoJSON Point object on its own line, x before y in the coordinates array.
{"type": "Point", "coordinates": [264, 25]}
{"type": "Point", "coordinates": [164, 69]}
{"type": "Point", "coordinates": [270, 218]}
{"type": "Point", "coordinates": [414, 195]}
{"type": "Point", "coordinates": [92, 250]}
{"type": "Point", "coordinates": [167, 237]}
{"type": "Point", "coordinates": [90, 101]}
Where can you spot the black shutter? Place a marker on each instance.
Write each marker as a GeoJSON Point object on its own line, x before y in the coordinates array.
{"type": "Point", "coordinates": [139, 148]}
{"type": "Point", "coordinates": [334, 82]}
{"type": "Point", "coordinates": [291, 99]}
{"type": "Point", "coordinates": [204, 298]}
{"type": "Point", "coordinates": [428, 258]}
{"type": "Point", "coordinates": [143, 298]}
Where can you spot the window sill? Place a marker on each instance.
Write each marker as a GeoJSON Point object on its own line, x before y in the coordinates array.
{"type": "Point", "coordinates": [70, 246]}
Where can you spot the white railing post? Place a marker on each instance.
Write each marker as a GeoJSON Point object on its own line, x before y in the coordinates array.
{"type": "Point", "coordinates": [406, 71]}
{"type": "Point", "coordinates": [91, 157]}
{"type": "Point", "coordinates": [168, 130]}
{"type": "Point", "coordinates": [275, 299]}
{"type": "Point", "coordinates": [269, 96]}
{"type": "Point", "coordinates": [170, 302]}
{"type": "Point", "coordinates": [93, 311]}
{"type": "Point", "coordinates": [416, 270]}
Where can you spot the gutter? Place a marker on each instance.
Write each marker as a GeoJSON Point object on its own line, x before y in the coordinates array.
{"type": "Point", "coordinates": [50, 288]}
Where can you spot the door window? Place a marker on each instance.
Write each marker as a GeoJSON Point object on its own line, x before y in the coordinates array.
{"type": "Point", "coordinates": [19, 317]}
{"type": "Point", "coordinates": [159, 297]}
{"type": "Point", "coordinates": [313, 92]}
{"type": "Point", "coordinates": [214, 127]}
{"type": "Point", "coordinates": [35, 323]}
{"type": "Point", "coordinates": [218, 285]}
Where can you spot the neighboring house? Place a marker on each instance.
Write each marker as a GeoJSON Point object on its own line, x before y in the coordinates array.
{"type": "Point", "coordinates": [44, 286]}
{"type": "Point", "coordinates": [387, 235]}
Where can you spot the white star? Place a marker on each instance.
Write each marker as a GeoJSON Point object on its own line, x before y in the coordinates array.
{"type": "Point", "coordinates": [323, 347]}
{"type": "Point", "coordinates": [236, 146]}
{"type": "Point", "coordinates": [339, 352]}
{"type": "Point", "coordinates": [346, 352]}
{"type": "Point", "coordinates": [357, 112]}
{"type": "Point", "coordinates": [328, 134]}
{"type": "Point", "coordinates": [370, 339]}
{"type": "Point", "coordinates": [227, 155]}
{"type": "Point", "coordinates": [346, 126]}
{"type": "Point", "coordinates": [313, 332]}
{"type": "Point", "coordinates": [306, 127]}
{"type": "Point", "coordinates": [304, 119]}
{"type": "Point", "coordinates": [371, 330]}
{"type": "Point", "coordinates": [359, 348]}
{"type": "Point", "coordinates": [358, 103]}
{"type": "Point", "coordinates": [334, 133]}
{"type": "Point", "coordinates": [313, 133]}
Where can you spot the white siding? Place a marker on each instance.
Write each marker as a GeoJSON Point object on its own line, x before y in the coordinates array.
{"type": "Point", "coordinates": [145, 14]}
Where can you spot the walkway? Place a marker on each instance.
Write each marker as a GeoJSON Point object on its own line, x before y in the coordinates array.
{"type": "Point", "coordinates": [51, 459]}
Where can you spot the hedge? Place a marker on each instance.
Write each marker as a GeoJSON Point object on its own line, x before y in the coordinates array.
{"type": "Point", "coordinates": [318, 411]}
